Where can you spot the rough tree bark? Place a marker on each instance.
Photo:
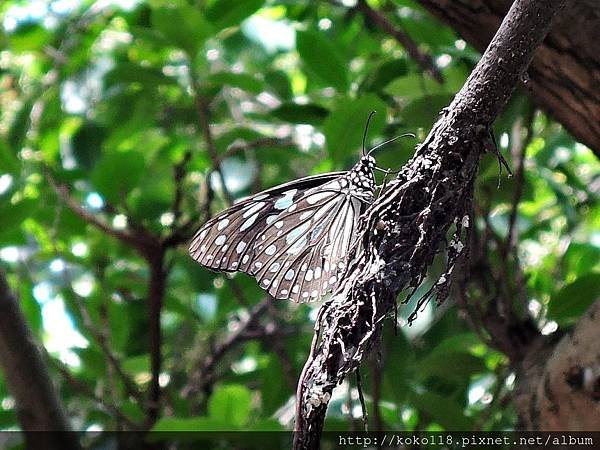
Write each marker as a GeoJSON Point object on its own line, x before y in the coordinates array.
{"type": "Point", "coordinates": [564, 76]}
{"type": "Point", "coordinates": [560, 381]}
{"type": "Point", "coordinates": [407, 226]}
{"type": "Point", "coordinates": [36, 401]}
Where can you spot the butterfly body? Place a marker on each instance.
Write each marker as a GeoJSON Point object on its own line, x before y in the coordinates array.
{"type": "Point", "coordinates": [293, 238]}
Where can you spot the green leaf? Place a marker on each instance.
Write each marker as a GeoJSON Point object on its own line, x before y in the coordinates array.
{"type": "Point", "coordinates": [137, 364]}
{"type": "Point", "coordinates": [29, 36]}
{"type": "Point", "coordinates": [18, 128]}
{"type": "Point", "coordinates": [274, 390]}
{"type": "Point", "coordinates": [462, 366]}
{"type": "Point", "coordinates": [240, 80]}
{"type": "Point", "coordinates": [279, 83]}
{"type": "Point", "coordinates": [422, 112]}
{"type": "Point", "coordinates": [87, 144]}
{"type": "Point", "coordinates": [295, 113]}
{"type": "Point", "coordinates": [127, 72]}
{"type": "Point", "coordinates": [582, 258]}
{"type": "Point", "coordinates": [183, 26]}
{"type": "Point", "coordinates": [227, 13]}
{"type": "Point", "coordinates": [191, 424]}
{"type": "Point", "coordinates": [387, 71]}
{"type": "Point", "coordinates": [13, 215]}
{"type": "Point", "coordinates": [31, 308]}
{"type": "Point", "coordinates": [414, 86]}
{"type": "Point", "coordinates": [9, 162]}
{"type": "Point", "coordinates": [231, 404]}
{"type": "Point", "coordinates": [322, 58]}
{"type": "Point", "coordinates": [443, 410]}
{"type": "Point", "coordinates": [574, 299]}
{"type": "Point", "coordinates": [117, 173]}
{"type": "Point", "coordinates": [345, 124]}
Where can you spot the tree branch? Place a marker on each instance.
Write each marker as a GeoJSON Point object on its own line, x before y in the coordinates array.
{"type": "Point", "coordinates": [156, 293]}
{"type": "Point", "coordinates": [563, 77]}
{"type": "Point", "coordinates": [560, 382]}
{"type": "Point", "coordinates": [423, 60]}
{"type": "Point", "coordinates": [403, 229]}
{"type": "Point", "coordinates": [36, 401]}
{"type": "Point", "coordinates": [203, 368]}
{"type": "Point", "coordinates": [204, 120]}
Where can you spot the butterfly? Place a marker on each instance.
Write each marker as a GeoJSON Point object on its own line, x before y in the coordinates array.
{"type": "Point", "coordinates": [293, 238]}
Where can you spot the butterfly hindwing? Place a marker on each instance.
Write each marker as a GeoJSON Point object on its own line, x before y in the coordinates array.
{"type": "Point", "coordinates": [299, 255]}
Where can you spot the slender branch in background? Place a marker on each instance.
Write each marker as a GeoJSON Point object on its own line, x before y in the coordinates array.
{"type": "Point", "coordinates": [518, 151]}
{"type": "Point", "coordinates": [267, 142]}
{"type": "Point", "coordinates": [432, 193]}
{"type": "Point", "coordinates": [36, 402]}
{"type": "Point", "coordinates": [361, 397]}
{"type": "Point", "coordinates": [114, 362]}
{"type": "Point", "coordinates": [376, 378]}
{"type": "Point", "coordinates": [202, 110]}
{"type": "Point", "coordinates": [179, 171]}
{"type": "Point", "coordinates": [201, 373]}
{"type": "Point", "coordinates": [278, 348]}
{"type": "Point", "coordinates": [423, 60]}
{"type": "Point", "coordinates": [237, 292]}
{"type": "Point", "coordinates": [156, 293]}
{"type": "Point", "coordinates": [89, 392]}
{"type": "Point", "coordinates": [153, 251]}
{"type": "Point", "coordinates": [100, 336]}
{"type": "Point", "coordinates": [63, 192]}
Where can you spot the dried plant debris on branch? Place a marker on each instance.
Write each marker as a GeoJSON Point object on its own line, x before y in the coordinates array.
{"type": "Point", "coordinates": [428, 201]}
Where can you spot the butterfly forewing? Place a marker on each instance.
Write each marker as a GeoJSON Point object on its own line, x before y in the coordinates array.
{"type": "Point", "coordinates": [294, 238]}
{"type": "Point", "coordinates": [225, 242]}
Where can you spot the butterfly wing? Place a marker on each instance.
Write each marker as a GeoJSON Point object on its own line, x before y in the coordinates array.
{"type": "Point", "coordinates": [298, 256]}
{"type": "Point", "coordinates": [225, 242]}
{"type": "Point", "coordinates": [294, 238]}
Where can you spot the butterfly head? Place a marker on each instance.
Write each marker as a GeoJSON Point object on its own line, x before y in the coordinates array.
{"type": "Point", "coordinates": [368, 161]}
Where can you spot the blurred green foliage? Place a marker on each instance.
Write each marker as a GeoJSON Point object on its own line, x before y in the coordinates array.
{"type": "Point", "coordinates": [102, 95]}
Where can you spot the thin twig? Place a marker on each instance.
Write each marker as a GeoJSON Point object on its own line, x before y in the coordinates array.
{"type": "Point", "coordinates": [203, 368]}
{"type": "Point", "coordinates": [423, 60]}
{"type": "Point", "coordinates": [86, 390]}
{"type": "Point", "coordinates": [202, 111]}
{"type": "Point", "coordinates": [156, 293]}
{"type": "Point", "coordinates": [179, 171]}
{"type": "Point", "coordinates": [518, 152]}
{"type": "Point", "coordinates": [267, 142]}
{"type": "Point", "coordinates": [361, 397]}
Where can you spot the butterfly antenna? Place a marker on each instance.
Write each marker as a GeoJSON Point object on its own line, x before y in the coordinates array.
{"type": "Point", "coordinates": [366, 130]}
{"type": "Point", "coordinates": [390, 140]}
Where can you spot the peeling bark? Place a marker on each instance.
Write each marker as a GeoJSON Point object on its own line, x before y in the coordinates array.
{"type": "Point", "coordinates": [559, 383]}
{"type": "Point", "coordinates": [564, 76]}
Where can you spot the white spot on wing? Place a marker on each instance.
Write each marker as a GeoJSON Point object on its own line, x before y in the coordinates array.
{"type": "Point", "coordinates": [220, 240]}
{"type": "Point", "coordinates": [271, 249]}
{"type": "Point", "coordinates": [296, 233]}
{"type": "Point", "coordinates": [222, 224]}
{"type": "Point", "coordinates": [297, 247]}
{"type": "Point", "coordinates": [248, 223]}
{"type": "Point", "coordinates": [253, 209]}
{"type": "Point", "coordinates": [285, 201]}
{"type": "Point", "coordinates": [240, 247]}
